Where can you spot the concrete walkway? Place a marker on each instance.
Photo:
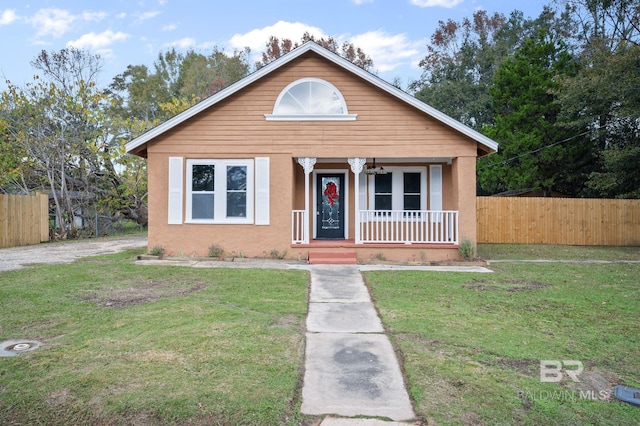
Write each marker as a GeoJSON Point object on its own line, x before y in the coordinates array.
{"type": "Point", "coordinates": [352, 376]}
{"type": "Point", "coordinates": [351, 368]}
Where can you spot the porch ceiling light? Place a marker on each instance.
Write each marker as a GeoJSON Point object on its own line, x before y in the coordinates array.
{"type": "Point", "coordinates": [373, 170]}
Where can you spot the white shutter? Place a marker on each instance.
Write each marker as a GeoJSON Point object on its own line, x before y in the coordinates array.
{"type": "Point", "coordinates": [262, 190]}
{"type": "Point", "coordinates": [175, 190]}
{"type": "Point", "coordinates": [435, 187]}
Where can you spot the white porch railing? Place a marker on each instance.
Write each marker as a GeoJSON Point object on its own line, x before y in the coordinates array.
{"type": "Point", "coordinates": [408, 226]}
{"type": "Point", "coordinates": [393, 226]}
{"type": "Point", "coordinates": [298, 227]}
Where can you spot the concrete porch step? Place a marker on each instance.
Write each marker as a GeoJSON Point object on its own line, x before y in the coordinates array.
{"type": "Point", "coordinates": [336, 257]}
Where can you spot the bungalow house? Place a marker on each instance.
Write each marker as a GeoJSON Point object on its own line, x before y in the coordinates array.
{"type": "Point", "coordinates": [312, 154]}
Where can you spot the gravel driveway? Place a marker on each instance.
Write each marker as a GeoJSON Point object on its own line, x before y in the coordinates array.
{"type": "Point", "coordinates": [65, 251]}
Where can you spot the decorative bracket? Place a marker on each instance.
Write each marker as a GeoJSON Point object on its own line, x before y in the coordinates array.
{"type": "Point", "coordinates": [307, 163]}
{"type": "Point", "coordinates": [356, 164]}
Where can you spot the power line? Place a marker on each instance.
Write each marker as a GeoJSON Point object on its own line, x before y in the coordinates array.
{"type": "Point", "coordinates": [537, 150]}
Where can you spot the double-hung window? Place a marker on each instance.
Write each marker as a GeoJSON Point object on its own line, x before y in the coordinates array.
{"type": "Point", "coordinates": [412, 190]}
{"type": "Point", "coordinates": [401, 189]}
{"type": "Point", "coordinates": [219, 191]}
{"type": "Point", "coordinates": [383, 192]}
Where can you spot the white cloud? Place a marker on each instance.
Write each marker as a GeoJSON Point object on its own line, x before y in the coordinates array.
{"type": "Point", "coordinates": [53, 22]}
{"type": "Point", "coordinates": [8, 16]}
{"type": "Point", "coordinates": [169, 27]}
{"type": "Point", "coordinates": [257, 39]}
{"type": "Point", "coordinates": [57, 22]}
{"type": "Point", "coordinates": [95, 41]}
{"type": "Point", "coordinates": [388, 51]}
{"type": "Point", "coordinates": [148, 15]}
{"type": "Point", "coordinates": [183, 43]}
{"type": "Point", "coordinates": [93, 16]}
{"type": "Point", "coordinates": [359, 2]}
{"type": "Point", "coordinates": [436, 3]}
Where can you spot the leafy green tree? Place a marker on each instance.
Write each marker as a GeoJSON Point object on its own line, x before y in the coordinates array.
{"type": "Point", "coordinates": [603, 98]}
{"type": "Point", "coordinates": [59, 138]}
{"type": "Point", "coordinates": [203, 75]}
{"type": "Point", "coordinates": [535, 152]}
{"type": "Point", "coordinates": [460, 63]}
{"type": "Point", "coordinates": [136, 94]}
{"type": "Point", "coordinates": [182, 77]}
{"type": "Point", "coordinates": [13, 164]}
{"type": "Point", "coordinates": [462, 58]}
{"type": "Point", "coordinates": [44, 120]}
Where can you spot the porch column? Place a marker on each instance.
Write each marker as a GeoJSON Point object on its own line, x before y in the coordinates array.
{"type": "Point", "coordinates": [356, 164]}
{"type": "Point", "coordinates": [463, 173]}
{"type": "Point", "coordinates": [307, 164]}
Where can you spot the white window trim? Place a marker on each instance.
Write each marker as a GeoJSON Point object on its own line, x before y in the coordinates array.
{"type": "Point", "coordinates": [310, 117]}
{"type": "Point", "coordinates": [220, 185]}
{"type": "Point", "coordinates": [397, 187]}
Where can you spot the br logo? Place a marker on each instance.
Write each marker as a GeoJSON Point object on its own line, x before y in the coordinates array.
{"type": "Point", "coordinates": [554, 370]}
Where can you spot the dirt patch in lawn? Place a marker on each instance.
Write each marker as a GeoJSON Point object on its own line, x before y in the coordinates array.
{"type": "Point", "coordinates": [511, 286]}
{"type": "Point", "coordinates": [289, 321]}
{"type": "Point", "coordinates": [527, 367]}
{"type": "Point", "coordinates": [140, 292]}
{"type": "Point", "coordinates": [594, 384]}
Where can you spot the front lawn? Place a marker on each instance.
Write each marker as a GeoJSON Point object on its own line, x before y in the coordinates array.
{"type": "Point", "coordinates": [129, 344]}
{"type": "Point", "coordinates": [472, 343]}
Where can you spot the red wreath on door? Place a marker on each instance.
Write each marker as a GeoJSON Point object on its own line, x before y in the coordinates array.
{"type": "Point", "coordinates": [331, 192]}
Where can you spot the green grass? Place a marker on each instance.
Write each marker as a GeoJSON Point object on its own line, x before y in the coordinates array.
{"type": "Point", "coordinates": [130, 344]}
{"type": "Point", "coordinates": [555, 252]}
{"type": "Point", "coordinates": [472, 343]}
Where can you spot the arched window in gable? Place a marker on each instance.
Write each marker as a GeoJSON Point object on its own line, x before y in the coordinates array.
{"type": "Point", "coordinates": [310, 99]}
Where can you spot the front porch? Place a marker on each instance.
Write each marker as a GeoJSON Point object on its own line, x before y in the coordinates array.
{"type": "Point", "coordinates": [414, 192]}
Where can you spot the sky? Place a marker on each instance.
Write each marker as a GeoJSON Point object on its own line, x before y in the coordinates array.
{"type": "Point", "coordinates": [394, 33]}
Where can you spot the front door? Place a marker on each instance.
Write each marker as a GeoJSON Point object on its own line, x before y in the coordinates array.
{"type": "Point", "coordinates": [330, 208]}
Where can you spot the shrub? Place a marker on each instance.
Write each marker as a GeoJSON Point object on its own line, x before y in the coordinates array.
{"type": "Point", "coordinates": [467, 249]}
{"type": "Point", "coordinates": [156, 251]}
{"type": "Point", "coordinates": [216, 250]}
{"type": "Point", "coordinates": [276, 254]}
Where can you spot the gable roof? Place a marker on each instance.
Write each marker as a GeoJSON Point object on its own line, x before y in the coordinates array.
{"type": "Point", "coordinates": [489, 145]}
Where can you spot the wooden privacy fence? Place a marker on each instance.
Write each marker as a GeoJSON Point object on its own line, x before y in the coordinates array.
{"type": "Point", "coordinates": [569, 221]}
{"type": "Point", "coordinates": [24, 219]}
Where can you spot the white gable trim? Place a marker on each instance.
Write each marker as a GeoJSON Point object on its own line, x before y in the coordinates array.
{"type": "Point", "coordinates": [490, 144]}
